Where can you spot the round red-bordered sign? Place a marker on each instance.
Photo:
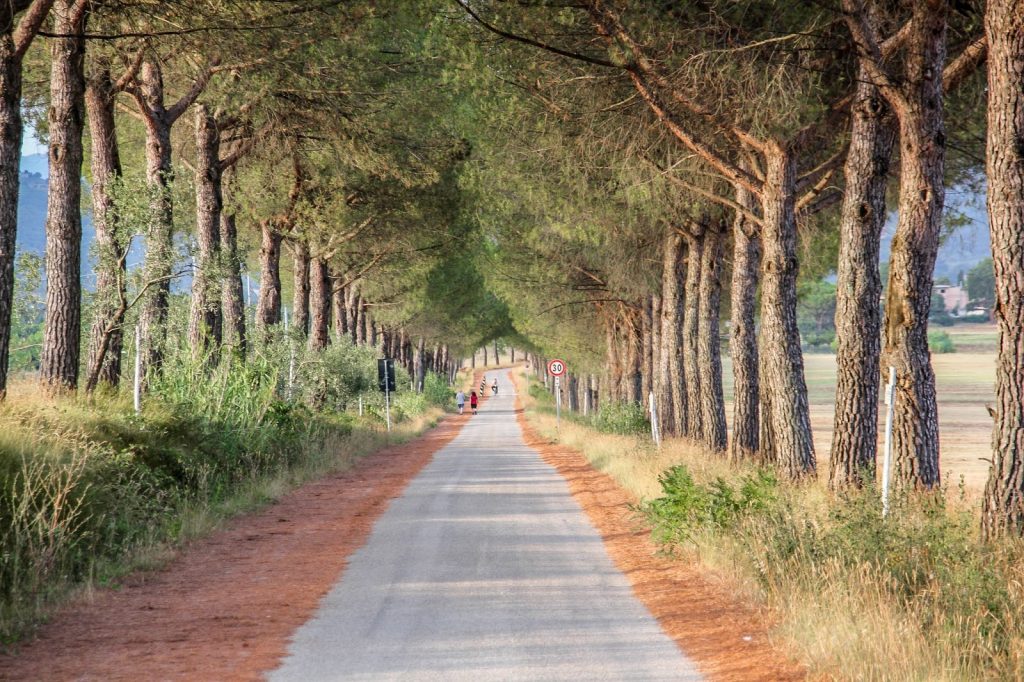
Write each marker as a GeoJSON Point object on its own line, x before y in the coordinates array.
{"type": "Point", "coordinates": [556, 368]}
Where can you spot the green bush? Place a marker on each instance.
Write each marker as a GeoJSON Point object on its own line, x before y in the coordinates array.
{"type": "Point", "coordinates": [940, 342]}
{"type": "Point", "coordinates": [626, 418]}
{"type": "Point", "coordinates": [924, 559]}
{"type": "Point", "coordinates": [687, 507]}
{"type": "Point", "coordinates": [437, 391]}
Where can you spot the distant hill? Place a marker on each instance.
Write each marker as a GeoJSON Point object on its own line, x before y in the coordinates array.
{"type": "Point", "coordinates": [32, 222]}
{"type": "Point", "coordinates": [966, 245]}
{"type": "Point", "coordinates": [35, 163]}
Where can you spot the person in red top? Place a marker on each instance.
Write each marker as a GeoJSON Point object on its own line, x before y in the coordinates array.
{"type": "Point", "coordinates": [472, 401]}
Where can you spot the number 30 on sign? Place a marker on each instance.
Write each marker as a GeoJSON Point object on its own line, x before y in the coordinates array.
{"type": "Point", "coordinates": [556, 368]}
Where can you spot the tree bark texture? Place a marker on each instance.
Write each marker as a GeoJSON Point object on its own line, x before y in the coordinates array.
{"type": "Point", "coordinates": [205, 324]}
{"type": "Point", "coordinates": [12, 50]}
{"type": "Point", "coordinates": [360, 320]}
{"type": "Point", "coordinates": [659, 375]}
{"type": "Point", "coordinates": [232, 300]}
{"type": "Point", "coordinates": [352, 312]}
{"type": "Point", "coordinates": [106, 335]}
{"type": "Point", "coordinates": [300, 288]}
{"type": "Point", "coordinates": [672, 398]}
{"type": "Point", "coordinates": [633, 353]}
{"type": "Point", "coordinates": [340, 312]}
{"type": "Point", "coordinates": [1003, 503]}
{"type": "Point", "coordinates": [746, 261]}
{"type": "Point", "coordinates": [914, 248]}
{"type": "Point", "coordinates": [319, 305]}
{"type": "Point", "coordinates": [647, 357]}
{"type": "Point", "coordinates": [419, 364]}
{"type": "Point", "coordinates": [859, 288]}
{"type": "Point", "coordinates": [268, 306]}
{"type": "Point", "coordinates": [709, 345]}
{"type": "Point", "coordinates": [59, 360]}
{"type": "Point", "coordinates": [693, 423]}
{"type": "Point", "coordinates": [785, 419]}
{"type": "Point", "coordinates": [614, 361]}
{"type": "Point", "coordinates": [10, 159]}
{"type": "Point", "coordinates": [158, 265]}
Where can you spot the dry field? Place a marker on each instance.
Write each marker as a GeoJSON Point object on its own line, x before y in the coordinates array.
{"type": "Point", "coordinates": [965, 381]}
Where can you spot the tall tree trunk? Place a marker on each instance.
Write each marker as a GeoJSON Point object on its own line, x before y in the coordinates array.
{"type": "Point", "coordinates": [485, 355]}
{"type": "Point", "coordinates": [497, 359]}
{"type": "Point", "coordinates": [1003, 504]}
{"type": "Point", "coordinates": [647, 352]}
{"type": "Point", "coordinates": [319, 305]}
{"type": "Point", "coordinates": [659, 373]}
{"type": "Point", "coordinates": [633, 381]}
{"type": "Point", "coordinates": [672, 399]}
{"type": "Point", "coordinates": [340, 312]}
{"type": "Point", "coordinates": [351, 306]}
{"type": "Point", "coordinates": [914, 248]}
{"type": "Point", "coordinates": [268, 307]}
{"type": "Point", "coordinates": [785, 418]}
{"type": "Point", "coordinates": [360, 308]}
{"type": "Point", "coordinates": [709, 354]}
{"type": "Point", "coordinates": [419, 364]}
{"type": "Point", "coordinates": [859, 288]}
{"type": "Point", "coordinates": [614, 362]}
{"type": "Point", "coordinates": [14, 41]}
{"type": "Point", "coordinates": [11, 130]}
{"type": "Point", "coordinates": [232, 301]}
{"type": "Point", "coordinates": [300, 288]}
{"type": "Point", "coordinates": [204, 329]}
{"type": "Point", "coordinates": [693, 426]}
{"type": "Point", "coordinates": [58, 368]}
{"type": "Point", "coordinates": [158, 265]}
{"type": "Point", "coordinates": [746, 261]}
{"type": "Point", "coordinates": [106, 336]}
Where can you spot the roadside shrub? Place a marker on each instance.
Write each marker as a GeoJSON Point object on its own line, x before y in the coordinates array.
{"type": "Point", "coordinates": [687, 507]}
{"type": "Point", "coordinates": [626, 418]}
{"type": "Point", "coordinates": [437, 391]}
{"type": "Point", "coordinates": [940, 342]}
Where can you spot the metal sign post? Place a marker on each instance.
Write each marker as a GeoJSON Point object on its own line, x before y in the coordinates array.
{"type": "Point", "coordinates": [556, 368]}
{"type": "Point", "coordinates": [890, 404]}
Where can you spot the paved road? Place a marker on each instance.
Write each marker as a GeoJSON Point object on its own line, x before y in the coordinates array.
{"type": "Point", "coordinates": [484, 569]}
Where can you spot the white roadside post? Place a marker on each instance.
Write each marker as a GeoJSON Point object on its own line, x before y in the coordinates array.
{"type": "Point", "coordinates": [655, 428]}
{"type": "Point", "coordinates": [137, 388]}
{"type": "Point", "coordinates": [556, 368]}
{"type": "Point", "coordinates": [890, 400]}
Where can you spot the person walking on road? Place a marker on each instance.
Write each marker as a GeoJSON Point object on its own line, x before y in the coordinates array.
{"type": "Point", "coordinates": [472, 401]}
{"type": "Point", "coordinates": [460, 401]}
{"type": "Point", "coordinates": [494, 387]}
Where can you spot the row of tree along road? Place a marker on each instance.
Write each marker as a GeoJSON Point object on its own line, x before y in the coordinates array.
{"type": "Point", "coordinates": [576, 178]}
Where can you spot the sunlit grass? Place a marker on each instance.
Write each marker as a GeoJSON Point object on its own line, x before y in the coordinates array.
{"type": "Point", "coordinates": [914, 597]}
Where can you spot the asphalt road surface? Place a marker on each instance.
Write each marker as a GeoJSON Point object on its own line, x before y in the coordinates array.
{"type": "Point", "coordinates": [484, 569]}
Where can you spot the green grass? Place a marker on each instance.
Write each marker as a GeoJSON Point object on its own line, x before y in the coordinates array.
{"type": "Point", "coordinates": [89, 490]}
{"type": "Point", "coordinates": [915, 596]}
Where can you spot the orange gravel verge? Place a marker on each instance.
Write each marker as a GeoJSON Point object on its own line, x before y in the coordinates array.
{"type": "Point", "coordinates": [728, 641]}
{"type": "Point", "coordinates": [225, 608]}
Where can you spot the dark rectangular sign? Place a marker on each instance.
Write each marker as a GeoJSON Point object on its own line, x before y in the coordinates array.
{"type": "Point", "coordinates": [386, 374]}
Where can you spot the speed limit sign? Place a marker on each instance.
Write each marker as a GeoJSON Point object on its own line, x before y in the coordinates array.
{"type": "Point", "coordinates": [556, 368]}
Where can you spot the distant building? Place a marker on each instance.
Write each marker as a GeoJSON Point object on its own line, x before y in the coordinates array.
{"type": "Point", "coordinates": [954, 299]}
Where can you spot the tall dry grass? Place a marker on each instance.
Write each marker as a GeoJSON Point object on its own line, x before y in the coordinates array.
{"type": "Point", "coordinates": [916, 596]}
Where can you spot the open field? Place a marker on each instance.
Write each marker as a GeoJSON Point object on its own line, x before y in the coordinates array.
{"type": "Point", "coordinates": [965, 381]}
